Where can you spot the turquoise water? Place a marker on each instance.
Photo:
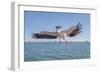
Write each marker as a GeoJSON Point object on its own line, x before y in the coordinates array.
{"type": "Point", "coordinates": [45, 51]}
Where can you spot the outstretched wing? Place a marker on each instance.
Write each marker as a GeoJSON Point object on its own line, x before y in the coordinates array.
{"type": "Point", "coordinates": [76, 30]}
{"type": "Point", "coordinates": [45, 35]}
{"type": "Point", "coordinates": [73, 30]}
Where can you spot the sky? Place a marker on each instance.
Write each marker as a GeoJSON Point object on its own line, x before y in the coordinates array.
{"type": "Point", "coordinates": [46, 21]}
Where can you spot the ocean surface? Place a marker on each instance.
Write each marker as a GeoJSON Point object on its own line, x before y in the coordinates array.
{"type": "Point", "coordinates": [46, 51]}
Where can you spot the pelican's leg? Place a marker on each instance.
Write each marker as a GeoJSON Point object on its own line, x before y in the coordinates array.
{"type": "Point", "coordinates": [60, 40]}
{"type": "Point", "coordinates": [64, 38]}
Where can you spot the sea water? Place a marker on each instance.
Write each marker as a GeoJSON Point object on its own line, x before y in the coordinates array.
{"type": "Point", "coordinates": [46, 51]}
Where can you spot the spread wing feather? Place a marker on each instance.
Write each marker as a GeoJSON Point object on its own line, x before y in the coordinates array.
{"type": "Point", "coordinates": [71, 32]}
{"type": "Point", "coordinates": [46, 35]}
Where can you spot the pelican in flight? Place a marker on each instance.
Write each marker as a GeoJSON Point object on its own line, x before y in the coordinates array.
{"type": "Point", "coordinates": [61, 34]}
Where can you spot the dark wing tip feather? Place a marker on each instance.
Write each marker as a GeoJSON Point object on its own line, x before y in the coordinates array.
{"type": "Point", "coordinates": [35, 35]}
{"type": "Point", "coordinates": [76, 31]}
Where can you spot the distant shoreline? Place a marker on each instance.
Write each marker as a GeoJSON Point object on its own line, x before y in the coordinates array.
{"type": "Point", "coordinates": [57, 42]}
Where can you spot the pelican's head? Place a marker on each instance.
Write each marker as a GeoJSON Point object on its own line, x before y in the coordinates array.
{"type": "Point", "coordinates": [58, 27]}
